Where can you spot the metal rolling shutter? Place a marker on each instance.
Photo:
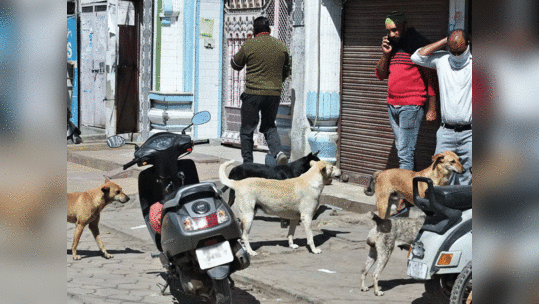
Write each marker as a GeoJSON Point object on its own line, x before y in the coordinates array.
{"type": "Point", "coordinates": [366, 139]}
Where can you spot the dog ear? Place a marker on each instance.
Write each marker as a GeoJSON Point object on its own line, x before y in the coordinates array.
{"type": "Point", "coordinates": [105, 189]}
{"type": "Point", "coordinates": [438, 157]}
{"type": "Point", "coordinates": [316, 153]}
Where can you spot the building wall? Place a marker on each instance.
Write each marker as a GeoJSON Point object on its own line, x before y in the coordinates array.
{"type": "Point", "coordinates": [171, 74]}
{"type": "Point", "coordinates": [208, 67]}
{"type": "Point", "coordinates": [187, 62]}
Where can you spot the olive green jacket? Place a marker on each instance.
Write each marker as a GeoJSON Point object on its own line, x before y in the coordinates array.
{"type": "Point", "coordinates": [268, 65]}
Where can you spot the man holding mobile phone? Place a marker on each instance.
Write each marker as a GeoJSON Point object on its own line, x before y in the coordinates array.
{"type": "Point", "coordinates": [411, 88]}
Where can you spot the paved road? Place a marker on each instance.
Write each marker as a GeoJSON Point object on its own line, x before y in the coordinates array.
{"type": "Point", "coordinates": [132, 276]}
{"type": "Point", "coordinates": [277, 275]}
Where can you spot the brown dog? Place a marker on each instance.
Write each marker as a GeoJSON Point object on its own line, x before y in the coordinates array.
{"type": "Point", "coordinates": [394, 184]}
{"type": "Point", "coordinates": [84, 208]}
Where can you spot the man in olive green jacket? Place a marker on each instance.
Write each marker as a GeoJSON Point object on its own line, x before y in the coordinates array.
{"type": "Point", "coordinates": [268, 65]}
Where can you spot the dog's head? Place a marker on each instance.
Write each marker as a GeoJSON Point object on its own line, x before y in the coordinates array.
{"type": "Point", "coordinates": [113, 193]}
{"type": "Point", "coordinates": [327, 170]}
{"type": "Point", "coordinates": [304, 163]}
{"type": "Point", "coordinates": [313, 156]}
{"type": "Point", "coordinates": [449, 161]}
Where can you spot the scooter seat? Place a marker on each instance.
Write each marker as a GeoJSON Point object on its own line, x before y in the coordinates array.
{"type": "Point", "coordinates": [455, 196]}
{"type": "Point", "coordinates": [206, 189]}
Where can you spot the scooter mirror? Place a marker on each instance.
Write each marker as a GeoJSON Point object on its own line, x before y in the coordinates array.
{"type": "Point", "coordinates": [201, 118]}
{"type": "Point", "coordinates": [115, 141]}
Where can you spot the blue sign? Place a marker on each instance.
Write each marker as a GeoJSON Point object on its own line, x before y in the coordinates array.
{"type": "Point", "coordinates": [73, 56]}
{"type": "Point", "coordinates": [72, 38]}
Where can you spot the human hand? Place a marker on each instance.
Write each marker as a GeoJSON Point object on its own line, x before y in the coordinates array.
{"type": "Point", "coordinates": [431, 115]}
{"type": "Point", "coordinates": [386, 46]}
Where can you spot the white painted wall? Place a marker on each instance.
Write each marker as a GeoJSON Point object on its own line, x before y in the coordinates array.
{"type": "Point", "coordinates": [209, 58]}
{"type": "Point", "coordinates": [172, 54]}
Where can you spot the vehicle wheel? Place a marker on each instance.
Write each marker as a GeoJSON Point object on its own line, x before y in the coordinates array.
{"type": "Point", "coordinates": [221, 292]}
{"type": "Point", "coordinates": [463, 286]}
{"type": "Point", "coordinates": [438, 289]}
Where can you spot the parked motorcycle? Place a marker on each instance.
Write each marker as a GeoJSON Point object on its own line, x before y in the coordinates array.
{"type": "Point", "coordinates": [442, 252]}
{"type": "Point", "coordinates": [199, 240]}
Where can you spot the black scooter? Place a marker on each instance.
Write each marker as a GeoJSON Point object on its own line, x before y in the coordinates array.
{"type": "Point", "coordinates": [199, 241]}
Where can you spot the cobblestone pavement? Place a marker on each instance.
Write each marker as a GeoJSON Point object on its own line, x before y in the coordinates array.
{"type": "Point", "coordinates": [132, 276]}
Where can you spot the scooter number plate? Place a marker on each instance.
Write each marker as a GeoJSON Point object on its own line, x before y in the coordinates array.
{"type": "Point", "coordinates": [214, 255]}
{"type": "Point", "coordinates": [417, 270]}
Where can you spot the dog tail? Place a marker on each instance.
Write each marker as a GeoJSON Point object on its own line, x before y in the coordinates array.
{"type": "Point", "coordinates": [369, 191]}
{"type": "Point", "coordinates": [222, 175]}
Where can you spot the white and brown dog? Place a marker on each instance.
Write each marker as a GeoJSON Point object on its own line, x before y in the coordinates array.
{"type": "Point", "coordinates": [294, 199]}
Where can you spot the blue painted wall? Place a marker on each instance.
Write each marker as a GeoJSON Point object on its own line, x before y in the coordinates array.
{"type": "Point", "coordinates": [72, 55]}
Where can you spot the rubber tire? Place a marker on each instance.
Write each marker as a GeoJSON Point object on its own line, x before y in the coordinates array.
{"type": "Point", "coordinates": [460, 285]}
{"type": "Point", "coordinates": [435, 292]}
{"type": "Point", "coordinates": [221, 291]}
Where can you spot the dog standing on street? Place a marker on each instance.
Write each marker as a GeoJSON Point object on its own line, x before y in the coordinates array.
{"type": "Point", "coordinates": [279, 172]}
{"type": "Point", "coordinates": [294, 199]}
{"type": "Point", "coordinates": [382, 239]}
{"type": "Point", "coordinates": [84, 208]}
{"type": "Point", "coordinates": [394, 184]}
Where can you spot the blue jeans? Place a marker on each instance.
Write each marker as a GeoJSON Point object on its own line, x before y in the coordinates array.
{"type": "Point", "coordinates": [405, 122]}
{"type": "Point", "coordinates": [461, 144]}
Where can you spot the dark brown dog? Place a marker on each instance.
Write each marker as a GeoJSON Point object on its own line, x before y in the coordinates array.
{"type": "Point", "coordinates": [84, 208]}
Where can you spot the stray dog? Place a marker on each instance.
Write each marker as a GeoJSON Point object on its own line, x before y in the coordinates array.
{"type": "Point", "coordinates": [394, 184]}
{"type": "Point", "coordinates": [295, 198]}
{"type": "Point", "coordinates": [279, 172]}
{"type": "Point", "coordinates": [383, 237]}
{"type": "Point", "coordinates": [84, 208]}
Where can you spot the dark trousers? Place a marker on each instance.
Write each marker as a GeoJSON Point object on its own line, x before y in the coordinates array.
{"type": "Point", "coordinates": [251, 106]}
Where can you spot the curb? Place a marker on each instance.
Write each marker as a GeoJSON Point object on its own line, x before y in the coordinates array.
{"type": "Point", "coordinates": [243, 279]}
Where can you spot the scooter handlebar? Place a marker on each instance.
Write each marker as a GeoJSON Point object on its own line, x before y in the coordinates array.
{"type": "Point", "coordinates": [131, 163]}
{"type": "Point", "coordinates": [422, 203]}
{"type": "Point", "coordinates": [201, 141]}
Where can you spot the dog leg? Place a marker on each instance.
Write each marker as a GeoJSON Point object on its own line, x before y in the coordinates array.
{"type": "Point", "coordinates": [384, 205]}
{"type": "Point", "coordinates": [95, 231]}
{"type": "Point", "coordinates": [246, 222]}
{"type": "Point", "coordinates": [76, 238]}
{"type": "Point", "coordinates": [383, 258]}
{"type": "Point", "coordinates": [371, 258]}
{"type": "Point", "coordinates": [291, 231]}
{"type": "Point", "coordinates": [306, 220]}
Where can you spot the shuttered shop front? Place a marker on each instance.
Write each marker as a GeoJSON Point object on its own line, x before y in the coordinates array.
{"type": "Point", "coordinates": [366, 139]}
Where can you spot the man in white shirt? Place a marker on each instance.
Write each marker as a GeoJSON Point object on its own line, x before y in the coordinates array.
{"type": "Point", "coordinates": [454, 69]}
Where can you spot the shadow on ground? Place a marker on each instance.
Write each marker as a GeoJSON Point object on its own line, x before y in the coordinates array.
{"type": "Point", "coordinates": [319, 240]}
{"type": "Point", "coordinates": [180, 297]}
{"type": "Point", "coordinates": [93, 253]}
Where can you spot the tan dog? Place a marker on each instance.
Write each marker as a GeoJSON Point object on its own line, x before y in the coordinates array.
{"type": "Point", "coordinates": [84, 208]}
{"type": "Point", "coordinates": [294, 199]}
{"type": "Point", "coordinates": [394, 184]}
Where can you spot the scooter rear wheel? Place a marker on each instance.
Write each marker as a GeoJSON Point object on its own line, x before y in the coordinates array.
{"type": "Point", "coordinates": [221, 292]}
{"type": "Point", "coordinates": [463, 286]}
